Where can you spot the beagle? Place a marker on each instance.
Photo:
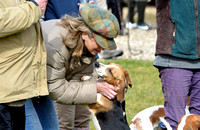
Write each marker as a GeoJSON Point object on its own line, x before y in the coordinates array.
{"type": "Point", "coordinates": [110, 114]}
{"type": "Point", "coordinates": [149, 118]}
{"type": "Point", "coordinates": [189, 122]}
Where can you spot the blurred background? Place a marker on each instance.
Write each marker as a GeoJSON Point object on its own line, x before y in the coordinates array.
{"type": "Point", "coordinates": [136, 43]}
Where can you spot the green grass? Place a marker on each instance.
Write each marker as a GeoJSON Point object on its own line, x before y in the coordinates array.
{"type": "Point", "coordinates": [146, 87]}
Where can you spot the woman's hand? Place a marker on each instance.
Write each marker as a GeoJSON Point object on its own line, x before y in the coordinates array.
{"type": "Point", "coordinates": [106, 89]}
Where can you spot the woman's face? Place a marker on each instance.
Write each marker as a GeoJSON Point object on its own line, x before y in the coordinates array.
{"type": "Point", "coordinates": [91, 44]}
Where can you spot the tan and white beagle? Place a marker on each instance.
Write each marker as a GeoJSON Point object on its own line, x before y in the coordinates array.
{"type": "Point", "coordinates": [110, 114]}
{"type": "Point", "coordinates": [149, 118]}
{"type": "Point", "coordinates": [189, 122]}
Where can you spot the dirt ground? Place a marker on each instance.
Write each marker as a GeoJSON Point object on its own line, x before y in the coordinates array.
{"type": "Point", "coordinates": [140, 44]}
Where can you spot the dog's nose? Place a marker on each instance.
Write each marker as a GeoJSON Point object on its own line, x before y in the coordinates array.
{"type": "Point", "coordinates": [96, 64]}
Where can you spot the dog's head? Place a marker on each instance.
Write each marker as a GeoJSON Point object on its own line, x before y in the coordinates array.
{"type": "Point", "coordinates": [117, 76]}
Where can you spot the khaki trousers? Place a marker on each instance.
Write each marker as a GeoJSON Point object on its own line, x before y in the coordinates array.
{"type": "Point", "coordinates": [72, 116]}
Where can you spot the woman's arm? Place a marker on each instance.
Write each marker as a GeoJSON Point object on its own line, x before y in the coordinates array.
{"type": "Point", "coordinates": [63, 91]}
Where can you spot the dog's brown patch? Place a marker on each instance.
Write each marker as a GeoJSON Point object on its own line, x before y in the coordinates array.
{"type": "Point", "coordinates": [192, 122]}
{"type": "Point", "coordinates": [137, 123]}
{"type": "Point", "coordinates": [156, 114]}
{"type": "Point", "coordinates": [105, 106]}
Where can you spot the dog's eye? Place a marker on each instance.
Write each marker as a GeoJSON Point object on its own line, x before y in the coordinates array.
{"type": "Point", "coordinates": [110, 71]}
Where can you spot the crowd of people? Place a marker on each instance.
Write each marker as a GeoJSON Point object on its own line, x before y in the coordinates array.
{"type": "Point", "coordinates": [46, 47]}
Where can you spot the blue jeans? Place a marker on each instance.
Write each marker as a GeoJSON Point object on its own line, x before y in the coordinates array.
{"type": "Point", "coordinates": [41, 114]}
{"type": "Point", "coordinates": [177, 84]}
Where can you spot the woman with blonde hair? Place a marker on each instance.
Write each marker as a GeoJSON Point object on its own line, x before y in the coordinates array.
{"type": "Point", "coordinates": [72, 44]}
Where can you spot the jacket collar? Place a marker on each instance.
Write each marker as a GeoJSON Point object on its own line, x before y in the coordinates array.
{"type": "Point", "coordinates": [86, 58]}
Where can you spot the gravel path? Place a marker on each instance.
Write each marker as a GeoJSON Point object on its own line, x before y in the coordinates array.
{"type": "Point", "coordinates": [142, 42]}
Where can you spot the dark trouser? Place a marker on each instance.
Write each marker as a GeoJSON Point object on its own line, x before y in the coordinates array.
{"type": "Point", "coordinates": [140, 9]}
{"type": "Point", "coordinates": [177, 84]}
{"type": "Point", "coordinates": [12, 118]}
{"type": "Point", "coordinates": [114, 7]}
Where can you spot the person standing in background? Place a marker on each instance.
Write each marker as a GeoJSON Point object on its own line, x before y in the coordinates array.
{"type": "Point", "coordinates": [115, 6]}
{"type": "Point", "coordinates": [178, 57]}
{"type": "Point", "coordinates": [22, 60]}
{"type": "Point", "coordinates": [140, 24]}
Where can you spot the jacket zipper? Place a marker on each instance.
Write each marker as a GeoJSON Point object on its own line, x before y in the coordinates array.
{"type": "Point", "coordinates": [174, 34]}
{"type": "Point", "coordinates": [197, 26]}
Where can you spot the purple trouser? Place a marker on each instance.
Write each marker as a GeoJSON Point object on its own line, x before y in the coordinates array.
{"type": "Point", "coordinates": [177, 84]}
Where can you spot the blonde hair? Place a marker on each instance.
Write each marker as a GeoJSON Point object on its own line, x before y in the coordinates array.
{"type": "Point", "coordinates": [72, 38]}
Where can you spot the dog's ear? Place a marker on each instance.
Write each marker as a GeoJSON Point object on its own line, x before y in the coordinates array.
{"type": "Point", "coordinates": [128, 79]}
{"type": "Point", "coordinates": [119, 88]}
{"type": "Point", "coordinates": [117, 85]}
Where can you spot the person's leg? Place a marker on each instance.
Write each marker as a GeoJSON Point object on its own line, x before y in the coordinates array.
{"type": "Point", "coordinates": [32, 120]}
{"type": "Point", "coordinates": [121, 7]}
{"type": "Point", "coordinates": [131, 10]}
{"type": "Point", "coordinates": [195, 93]}
{"type": "Point", "coordinates": [141, 11]}
{"type": "Point", "coordinates": [5, 119]}
{"type": "Point", "coordinates": [82, 118]}
{"type": "Point", "coordinates": [47, 114]}
{"type": "Point", "coordinates": [109, 4]}
{"type": "Point", "coordinates": [17, 115]}
{"type": "Point", "coordinates": [66, 116]}
{"type": "Point", "coordinates": [114, 7]}
{"type": "Point", "coordinates": [175, 86]}
{"type": "Point", "coordinates": [141, 15]}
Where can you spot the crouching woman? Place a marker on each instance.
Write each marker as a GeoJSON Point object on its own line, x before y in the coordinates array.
{"type": "Point", "coordinates": [72, 44]}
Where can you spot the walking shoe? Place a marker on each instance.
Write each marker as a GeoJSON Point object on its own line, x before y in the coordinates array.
{"type": "Point", "coordinates": [130, 25]}
{"type": "Point", "coordinates": [144, 27]}
{"type": "Point", "coordinates": [110, 54]}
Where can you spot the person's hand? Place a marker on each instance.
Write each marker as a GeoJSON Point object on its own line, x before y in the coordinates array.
{"type": "Point", "coordinates": [42, 4]}
{"type": "Point", "coordinates": [106, 89]}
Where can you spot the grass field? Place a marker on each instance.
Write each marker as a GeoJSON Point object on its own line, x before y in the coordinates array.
{"type": "Point", "coordinates": [146, 87]}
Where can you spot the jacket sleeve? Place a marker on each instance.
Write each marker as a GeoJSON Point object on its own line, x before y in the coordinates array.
{"type": "Point", "coordinates": [63, 91]}
{"type": "Point", "coordinates": [18, 18]}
